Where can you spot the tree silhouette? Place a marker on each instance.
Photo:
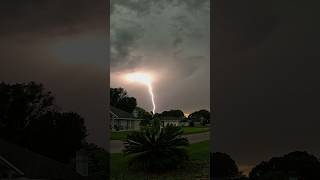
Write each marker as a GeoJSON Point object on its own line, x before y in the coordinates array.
{"type": "Point", "coordinates": [298, 164]}
{"type": "Point", "coordinates": [224, 166]}
{"type": "Point", "coordinates": [198, 115]}
{"type": "Point", "coordinates": [20, 104]}
{"type": "Point", "coordinates": [143, 114]}
{"type": "Point", "coordinates": [172, 113]}
{"type": "Point", "coordinates": [120, 99]}
{"type": "Point", "coordinates": [28, 117]}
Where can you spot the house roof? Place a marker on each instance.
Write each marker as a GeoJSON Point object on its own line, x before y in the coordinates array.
{"type": "Point", "coordinates": [34, 165]}
{"type": "Point", "coordinates": [121, 113]}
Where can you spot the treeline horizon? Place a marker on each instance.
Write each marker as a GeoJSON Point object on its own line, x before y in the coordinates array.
{"type": "Point", "coordinates": [119, 96]}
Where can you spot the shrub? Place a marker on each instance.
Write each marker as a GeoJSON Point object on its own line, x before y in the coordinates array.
{"type": "Point", "coordinates": [157, 149]}
{"type": "Point", "coordinates": [191, 123]}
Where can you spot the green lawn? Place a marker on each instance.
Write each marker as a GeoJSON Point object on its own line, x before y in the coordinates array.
{"type": "Point", "coordinates": [198, 167]}
{"type": "Point", "coordinates": [195, 130]}
{"type": "Point", "coordinates": [122, 135]}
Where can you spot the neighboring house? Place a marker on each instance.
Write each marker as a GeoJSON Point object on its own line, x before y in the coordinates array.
{"type": "Point", "coordinates": [123, 121]}
{"type": "Point", "coordinates": [185, 123]}
{"type": "Point", "coordinates": [17, 163]}
{"type": "Point", "coordinates": [199, 120]}
{"type": "Point", "coordinates": [135, 113]}
{"type": "Point", "coordinates": [176, 121]}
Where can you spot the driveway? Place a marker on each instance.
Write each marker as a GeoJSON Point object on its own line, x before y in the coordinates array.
{"type": "Point", "coordinates": [116, 146]}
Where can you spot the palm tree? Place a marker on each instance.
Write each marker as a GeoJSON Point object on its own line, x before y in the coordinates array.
{"type": "Point", "coordinates": [157, 149]}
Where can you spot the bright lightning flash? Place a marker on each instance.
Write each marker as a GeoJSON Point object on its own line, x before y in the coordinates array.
{"type": "Point", "coordinates": [143, 79]}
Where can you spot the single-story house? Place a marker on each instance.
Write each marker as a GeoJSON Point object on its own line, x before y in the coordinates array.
{"type": "Point", "coordinates": [176, 121]}
{"type": "Point", "coordinates": [18, 163]}
{"type": "Point", "coordinates": [123, 121]}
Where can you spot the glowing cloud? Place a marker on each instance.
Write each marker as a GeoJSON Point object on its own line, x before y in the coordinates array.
{"type": "Point", "coordinates": [144, 79]}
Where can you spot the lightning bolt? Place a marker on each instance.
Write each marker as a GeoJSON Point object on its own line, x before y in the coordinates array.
{"type": "Point", "coordinates": [145, 80]}
{"type": "Point", "coordinates": [152, 97]}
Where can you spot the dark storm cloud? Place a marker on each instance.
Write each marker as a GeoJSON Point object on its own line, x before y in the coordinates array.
{"type": "Point", "coordinates": [169, 38]}
{"type": "Point", "coordinates": [130, 16]}
{"type": "Point", "coordinates": [143, 7]}
{"type": "Point", "coordinates": [194, 65]}
{"type": "Point", "coordinates": [51, 17]}
{"type": "Point", "coordinates": [265, 79]}
{"type": "Point", "coordinates": [123, 40]}
{"type": "Point", "coordinates": [194, 4]}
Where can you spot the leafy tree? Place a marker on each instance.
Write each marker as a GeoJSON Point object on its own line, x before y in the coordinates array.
{"type": "Point", "coordinates": [300, 164]}
{"type": "Point", "coordinates": [224, 166]}
{"type": "Point", "coordinates": [198, 115]}
{"type": "Point", "coordinates": [20, 104]}
{"type": "Point", "coordinates": [143, 114]}
{"type": "Point", "coordinates": [120, 99]}
{"type": "Point", "coordinates": [28, 117]}
{"type": "Point", "coordinates": [156, 115]}
{"type": "Point", "coordinates": [172, 113]}
{"type": "Point", "coordinates": [144, 123]}
{"type": "Point", "coordinates": [156, 149]}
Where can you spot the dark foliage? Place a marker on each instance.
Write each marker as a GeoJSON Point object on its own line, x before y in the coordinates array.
{"type": "Point", "coordinates": [172, 113]}
{"type": "Point", "coordinates": [191, 124]}
{"type": "Point", "coordinates": [224, 166]}
{"type": "Point", "coordinates": [295, 164]}
{"type": "Point", "coordinates": [56, 135]}
{"type": "Point", "coordinates": [19, 105]}
{"type": "Point", "coordinates": [120, 99]}
{"type": "Point", "coordinates": [155, 150]}
{"type": "Point", "coordinates": [143, 114]}
{"type": "Point", "coordinates": [29, 118]}
{"type": "Point", "coordinates": [198, 115]}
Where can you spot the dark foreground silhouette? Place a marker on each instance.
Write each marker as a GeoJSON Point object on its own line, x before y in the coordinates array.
{"type": "Point", "coordinates": [297, 165]}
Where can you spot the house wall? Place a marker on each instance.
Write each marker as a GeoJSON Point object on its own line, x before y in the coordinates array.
{"type": "Point", "coordinates": [136, 125]}
{"type": "Point", "coordinates": [185, 123]}
{"type": "Point", "coordinates": [126, 124]}
{"type": "Point", "coordinates": [172, 122]}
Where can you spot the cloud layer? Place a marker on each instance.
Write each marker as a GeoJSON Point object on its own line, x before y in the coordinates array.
{"type": "Point", "coordinates": [169, 38]}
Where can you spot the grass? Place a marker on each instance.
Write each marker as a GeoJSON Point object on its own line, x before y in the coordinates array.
{"type": "Point", "coordinates": [122, 135]}
{"type": "Point", "coordinates": [197, 168]}
{"type": "Point", "coordinates": [199, 151]}
{"type": "Point", "coordinates": [195, 130]}
{"type": "Point", "coordinates": [119, 135]}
